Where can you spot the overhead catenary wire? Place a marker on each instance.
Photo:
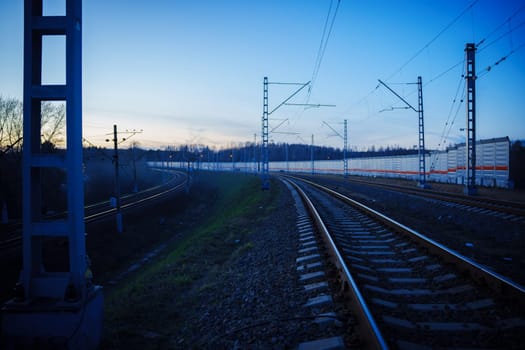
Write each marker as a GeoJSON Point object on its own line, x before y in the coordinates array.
{"type": "Point", "coordinates": [485, 71]}
{"type": "Point", "coordinates": [441, 32]}
{"type": "Point", "coordinates": [508, 32]}
{"type": "Point", "coordinates": [323, 45]}
{"type": "Point", "coordinates": [448, 26]}
{"type": "Point", "coordinates": [507, 20]}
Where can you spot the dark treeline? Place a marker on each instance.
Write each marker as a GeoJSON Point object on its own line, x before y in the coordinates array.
{"type": "Point", "coordinates": [276, 152]}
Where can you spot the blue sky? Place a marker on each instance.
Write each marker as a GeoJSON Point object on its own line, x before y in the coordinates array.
{"type": "Point", "coordinates": [192, 71]}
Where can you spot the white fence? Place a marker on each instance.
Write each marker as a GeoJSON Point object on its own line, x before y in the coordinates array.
{"type": "Point", "coordinates": [492, 165]}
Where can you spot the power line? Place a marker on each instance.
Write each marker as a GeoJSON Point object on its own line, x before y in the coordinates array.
{"type": "Point", "coordinates": [462, 62]}
{"type": "Point", "coordinates": [502, 36]}
{"type": "Point", "coordinates": [444, 133]}
{"type": "Point", "coordinates": [502, 59]}
{"type": "Point", "coordinates": [450, 24]}
{"type": "Point", "coordinates": [323, 45]}
{"type": "Point", "coordinates": [500, 26]}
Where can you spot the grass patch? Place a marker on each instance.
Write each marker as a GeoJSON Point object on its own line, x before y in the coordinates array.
{"type": "Point", "coordinates": [150, 300]}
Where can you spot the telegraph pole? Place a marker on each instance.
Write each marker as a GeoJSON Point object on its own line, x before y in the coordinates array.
{"type": "Point", "coordinates": [117, 180]}
{"type": "Point", "coordinates": [254, 152]}
{"type": "Point", "coordinates": [312, 154]}
{"type": "Point", "coordinates": [135, 185]}
{"type": "Point", "coordinates": [118, 215]}
{"type": "Point", "coordinates": [470, 165]}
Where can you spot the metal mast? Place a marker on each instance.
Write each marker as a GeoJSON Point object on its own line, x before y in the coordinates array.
{"type": "Point", "coordinates": [265, 175]}
{"type": "Point", "coordinates": [117, 180]}
{"type": "Point", "coordinates": [421, 149]}
{"type": "Point", "coordinates": [36, 283]}
{"type": "Point", "coordinates": [344, 137]}
{"type": "Point", "coordinates": [470, 166]}
{"type": "Point", "coordinates": [312, 154]}
{"type": "Point", "coordinates": [345, 160]}
{"type": "Point", "coordinates": [64, 304]}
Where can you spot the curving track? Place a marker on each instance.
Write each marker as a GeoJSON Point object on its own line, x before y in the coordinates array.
{"type": "Point", "coordinates": [408, 291]}
{"type": "Point", "coordinates": [103, 210]}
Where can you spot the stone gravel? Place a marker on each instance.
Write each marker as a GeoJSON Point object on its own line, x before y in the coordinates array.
{"type": "Point", "coordinates": [255, 300]}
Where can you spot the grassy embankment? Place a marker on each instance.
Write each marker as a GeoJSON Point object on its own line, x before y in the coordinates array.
{"type": "Point", "coordinates": [142, 310]}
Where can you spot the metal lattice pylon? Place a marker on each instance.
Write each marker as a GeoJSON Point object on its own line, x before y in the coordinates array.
{"type": "Point", "coordinates": [345, 147]}
{"type": "Point", "coordinates": [265, 174]}
{"type": "Point", "coordinates": [421, 149]}
{"type": "Point", "coordinates": [470, 165]}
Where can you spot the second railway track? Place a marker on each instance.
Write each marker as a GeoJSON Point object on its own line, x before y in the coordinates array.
{"type": "Point", "coordinates": [417, 293]}
{"type": "Point", "coordinates": [103, 210]}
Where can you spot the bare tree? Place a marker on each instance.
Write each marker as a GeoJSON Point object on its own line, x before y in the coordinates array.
{"type": "Point", "coordinates": [10, 124]}
{"type": "Point", "coordinates": [53, 123]}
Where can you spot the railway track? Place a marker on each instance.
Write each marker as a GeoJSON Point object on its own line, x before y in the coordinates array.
{"type": "Point", "coordinates": [408, 291]}
{"type": "Point", "coordinates": [506, 210]}
{"type": "Point", "coordinates": [103, 210]}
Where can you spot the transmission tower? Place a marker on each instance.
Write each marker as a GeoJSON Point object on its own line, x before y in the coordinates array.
{"type": "Point", "coordinates": [48, 305]}
{"type": "Point", "coordinates": [470, 165]}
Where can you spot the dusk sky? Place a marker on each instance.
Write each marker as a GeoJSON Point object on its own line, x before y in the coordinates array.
{"type": "Point", "coordinates": [192, 71]}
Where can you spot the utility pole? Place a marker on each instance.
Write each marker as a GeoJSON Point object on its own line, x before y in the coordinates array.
{"type": "Point", "coordinates": [117, 180]}
{"type": "Point", "coordinates": [345, 144]}
{"type": "Point", "coordinates": [233, 164]}
{"type": "Point", "coordinates": [470, 165]}
{"type": "Point", "coordinates": [255, 152]}
{"type": "Point", "coordinates": [345, 147]}
{"type": "Point", "coordinates": [421, 148]}
{"type": "Point", "coordinates": [115, 140]}
{"type": "Point", "coordinates": [265, 175]}
{"type": "Point", "coordinates": [421, 134]}
{"type": "Point", "coordinates": [286, 156]}
{"type": "Point", "coordinates": [135, 185]}
{"type": "Point", "coordinates": [312, 154]}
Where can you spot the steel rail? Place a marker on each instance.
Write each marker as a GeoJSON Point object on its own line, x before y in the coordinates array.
{"type": "Point", "coordinates": [507, 207]}
{"type": "Point", "coordinates": [373, 338]}
{"type": "Point", "coordinates": [498, 283]}
{"type": "Point", "coordinates": [134, 204]}
{"type": "Point", "coordinates": [101, 213]}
